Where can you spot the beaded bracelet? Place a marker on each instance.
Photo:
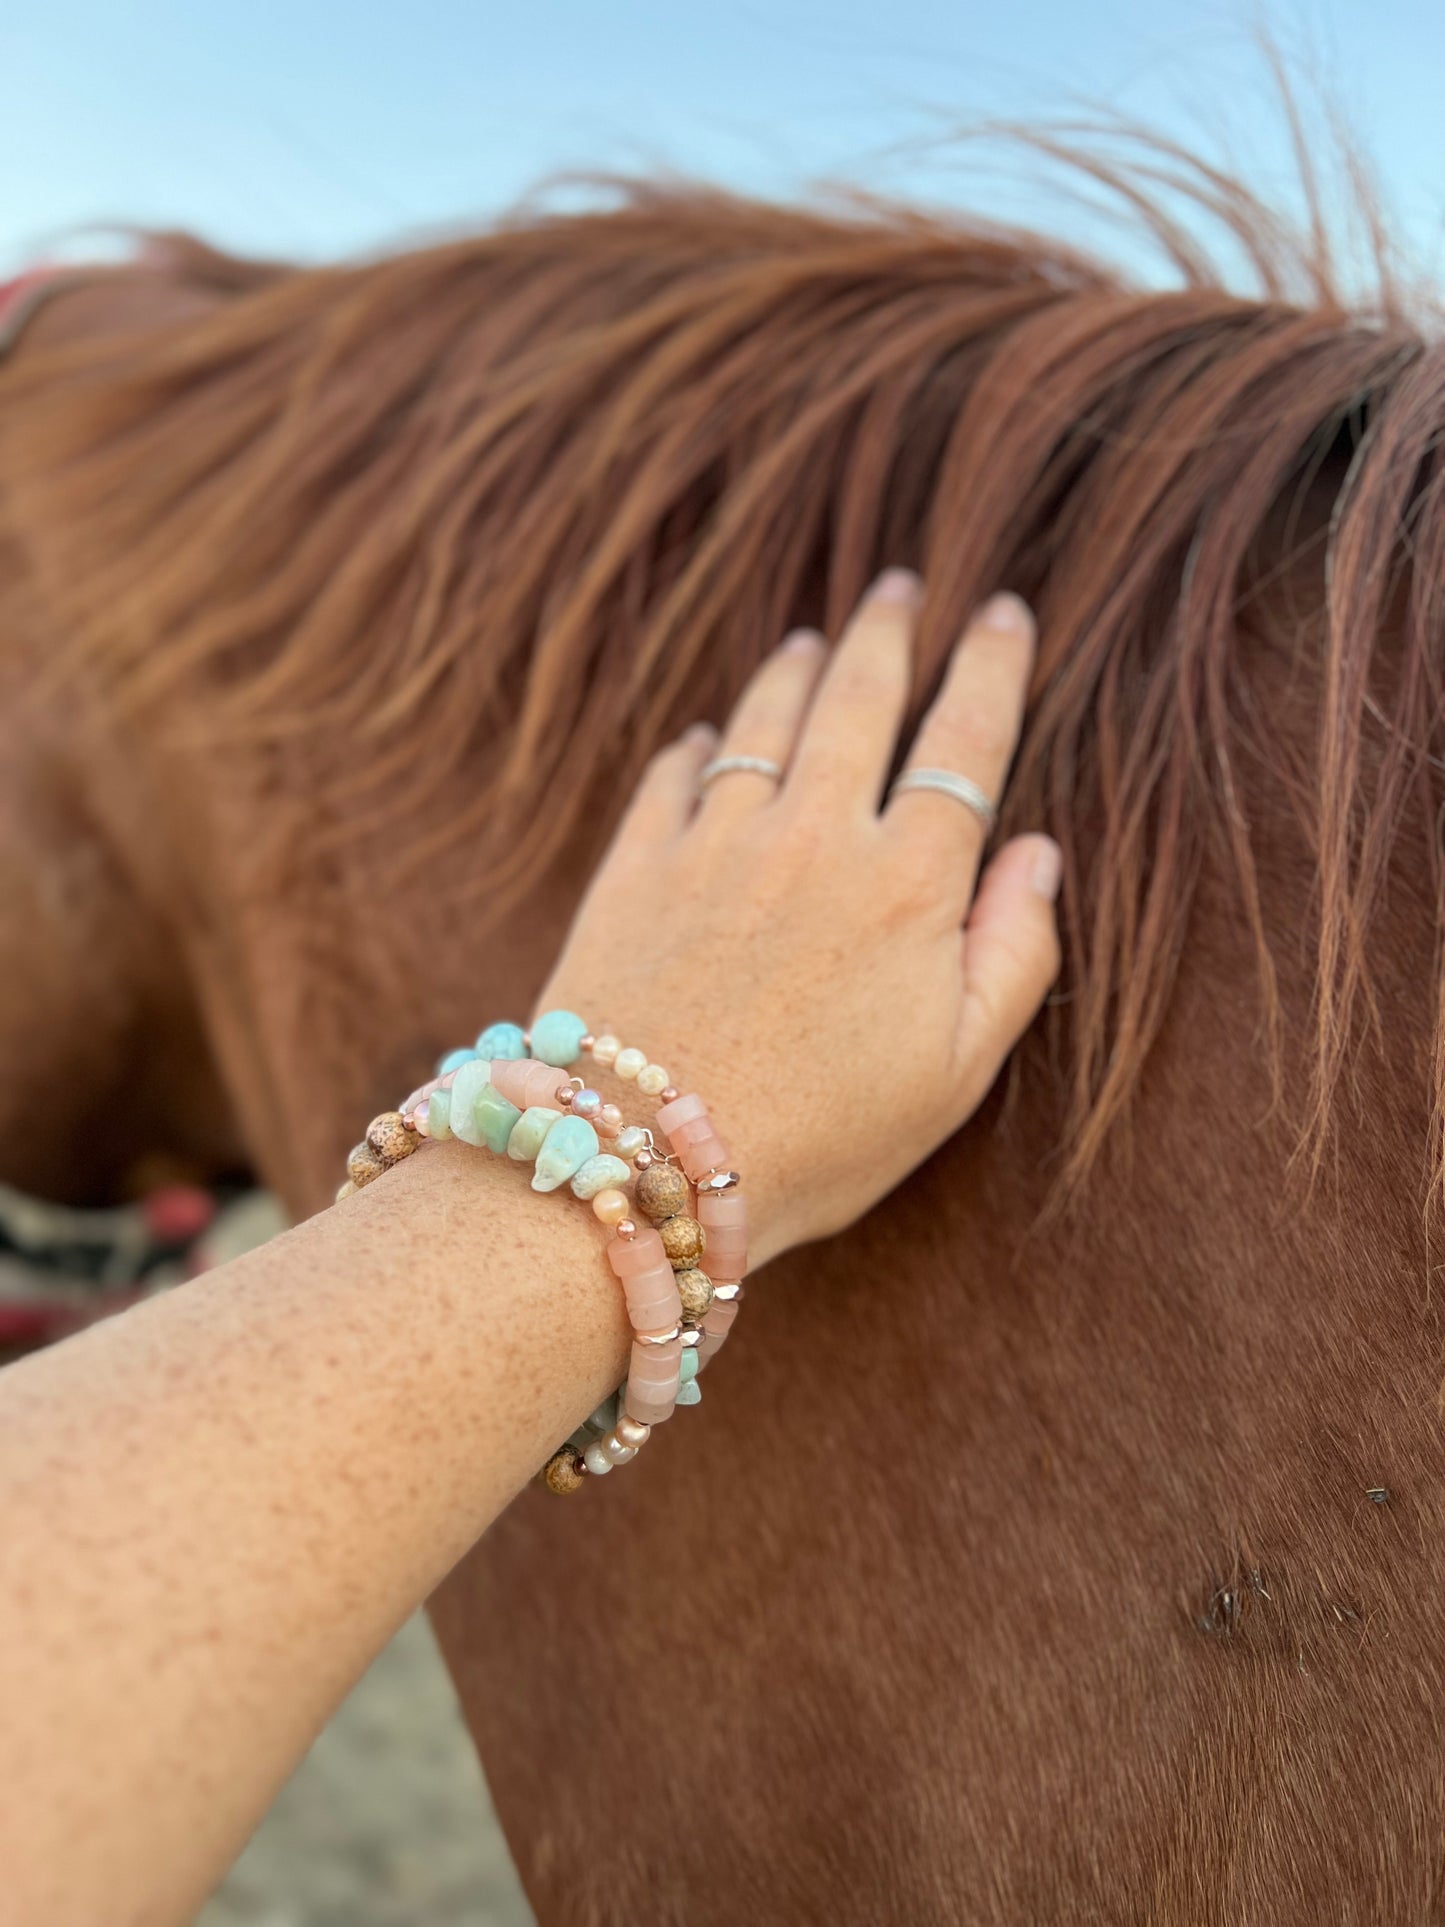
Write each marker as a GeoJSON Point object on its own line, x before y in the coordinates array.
{"type": "Point", "coordinates": [681, 1274]}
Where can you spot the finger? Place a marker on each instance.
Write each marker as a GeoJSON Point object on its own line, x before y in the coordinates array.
{"type": "Point", "coordinates": [851, 732]}
{"type": "Point", "coordinates": [972, 730]}
{"type": "Point", "coordinates": [1010, 954]}
{"type": "Point", "coordinates": [665, 797]}
{"type": "Point", "coordinates": [765, 723]}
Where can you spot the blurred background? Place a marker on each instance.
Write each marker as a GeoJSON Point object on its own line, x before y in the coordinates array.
{"type": "Point", "coordinates": [317, 129]}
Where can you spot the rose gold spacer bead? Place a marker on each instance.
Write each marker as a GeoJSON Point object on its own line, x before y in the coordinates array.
{"type": "Point", "coordinates": [669, 1096]}
{"type": "Point", "coordinates": [644, 1159]}
{"type": "Point", "coordinates": [719, 1181]}
{"type": "Point", "coordinates": [564, 1097]}
{"type": "Point", "coordinates": [526, 1040]}
{"type": "Point", "coordinates": [586, 1041]}
{"type": "Point", "coordinates": [627, 1229]}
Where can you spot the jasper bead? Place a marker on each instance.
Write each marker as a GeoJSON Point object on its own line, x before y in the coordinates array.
{"type": "Point", "coordinates": [601, 1173]}
{"type": "Point", "coordinates": [566, 1148]}
{"type": "Point", "coordinates": [454, 1060]}
{"type": "Point", "coordinates": [629, 1063]}
{"type": "Point", "coordinates": [557, 1037]}
{"type": "Point", "coordinates": [363, 1165]}
{"type": "Point", "coordinates": [502, 1040]}
{"type": "Point", "coordinates": [439, 1115]}
{"type": "Point", "coordinates": [610, 1206]}
{"type": "Point", "coordinates": [529, 1131]}
{"type": "Point", "coordinates": [389, 1138]}
{"type": "Point", "coordinates": [563, 1471]}
{"type": "Point", "coordinates": [661, 1192]}
{"type": "Point", "coordinates": [694, 1287]}
{"type": "Point", "coordinates": [684, 1241]}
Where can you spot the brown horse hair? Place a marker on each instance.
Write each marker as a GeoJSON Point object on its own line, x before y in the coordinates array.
{"type": "Point", "coordinates": [496, 517]}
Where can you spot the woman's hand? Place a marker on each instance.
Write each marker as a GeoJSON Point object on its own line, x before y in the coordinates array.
{"type": "Point", "coordinates": [812, 959]}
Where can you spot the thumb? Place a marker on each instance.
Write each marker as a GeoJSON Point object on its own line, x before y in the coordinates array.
{"type": "Point", "coordinates": [1010, 952]}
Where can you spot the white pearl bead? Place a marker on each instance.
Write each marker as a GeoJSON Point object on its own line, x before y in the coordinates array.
{"type": "Point", "coordinates": [605, 1050]}
{"type": "Point", "coordinates": [632, 1431]}
{"type": "Point", "coordinates": [652, 1080]}
{"type": "Point", "coordinates": [617, 1451]}
{"type": "Point", "coordinates": [629, 1141]}
{"type": "Point", "coordinates": [597, 1460]}
{"type": "Point", "coordinates": [629, 1062]}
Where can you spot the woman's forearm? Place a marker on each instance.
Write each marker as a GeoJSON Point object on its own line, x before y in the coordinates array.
{"type": "Point", "coordinates": [215, 1510]}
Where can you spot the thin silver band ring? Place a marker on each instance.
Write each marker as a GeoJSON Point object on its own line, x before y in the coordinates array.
{"type": "Point", "coordinates": [732, 765]}
{"type": "Point", "coordinates": [948, 782]}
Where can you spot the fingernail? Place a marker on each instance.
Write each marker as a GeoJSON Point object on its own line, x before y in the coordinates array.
{"type": "Point", "coordinates": [896, 585]}
{"type": "Point", "coordinates": [801, 642]}
{"type": "Point", "coordinates": [1048, 871]}
{"type": "Point", "coordinates": [1009, 613]}
{"type": "Point", "coordinates": [699, 733]}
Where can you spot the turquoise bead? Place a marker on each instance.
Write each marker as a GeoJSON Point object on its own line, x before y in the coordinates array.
{"type": "Point", "coordinates": [567, 1147]}
{"type": "Point", "coordinates": [528, 1132]}
{"type": "Point", "coordinates": [687, 1365]}
{"type": "Point", "coordinates": [502, 1040]}
{"type": "Point", "coordinates": [467, 1086]}
{"type": "Point", "coordinates": [439, 1115]}
{"type": "Point", "coordinates": [557, 1038]}
{"type": "Point", "coordinates": [453, 1061]}
{"type": "Point", "coordinates": [689, 1394]}
{"type": "Point", "coordinates": [597, 1173]}
{"type": "Point", "coordinates": [495, 1118]}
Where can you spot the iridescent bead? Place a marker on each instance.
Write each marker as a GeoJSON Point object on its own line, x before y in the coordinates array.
{"type": "Point", "coordinates": [557, 1037]}
{"type": "Point", "coordinates": [605, 1049]}
{"type": "Point", "coordinates": [683, 1239]}
{"type": "Point", "coordinates": [631, 1433]}
{"type": "Point", "coordinates": [608, 1120]}
{"type": "Point", "coordinates": [610, 1206]}
{"type": "Point", "coordinates": [652, 1080]}
{"type": "Point", "coordinates": [567, 1147]}
{"type": "Point", "coordinates": [439, 1115]}
{"type": "Point", "coordinates": [596, 1459]}
{"type": "Point", "coordinates": [454, 1060]}
{"type": "Point", "coordinates": [529, 1131]}
{"type": "Point", "coordinates": [587, 1104]}
{"type": "Point", "coordinates": [631, 1139]}
{"type": "Point", "coordinates": [617, 1451]}
{"type": "Point", "coordinates": [628, 1063]}
{"type": "Point", "coordinates": [502, 1040]}
{"type": "Point", "coordinates": [600, 1173]}
{"type": "Point", "coordinates": [661, 1192]}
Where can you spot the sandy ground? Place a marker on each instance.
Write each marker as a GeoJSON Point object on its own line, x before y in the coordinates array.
{"type": "Point", "coordinates": [386, 1823]}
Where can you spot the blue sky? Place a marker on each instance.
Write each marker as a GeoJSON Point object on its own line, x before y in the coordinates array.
{"type": "Point", "coordinates": [317, 128]}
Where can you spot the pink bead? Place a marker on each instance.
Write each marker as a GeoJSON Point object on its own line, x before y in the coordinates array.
{"type": "Point", "coordinates": [690, 1132]}
{"type": "Point", "coordinates": [524, 1082]}
{"type": "Point", "coordinates": [608, 1121]}
{"type": "Point", "coordinates": [719, 1209]}
{"type": "Point", "coordinates": [629, 1256]}
{"type": "Point", "coordinates": [698, 1159]}
{"type": "Point", "coordinates": [680, 1111]}
{"type": "Point", "coordinates": [419, 1116]}
{"type": "Point", "coordinates": [653, 1301]}
{"type": "Point", "coordinates": [726, 1269]}
{"type": "Point", "coordinates": [652, 1382]}
{"type": "Point", "coordinates": [718, 1319]}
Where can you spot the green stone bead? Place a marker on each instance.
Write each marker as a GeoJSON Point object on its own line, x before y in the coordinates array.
{"type": "Point", "coordinates": [494, 1118]}
{"type": "Point", "coordinates": [567, 1147]}
{"type": "Point", "coordinates": [689, 1394]}
{"type": "Point", "coordinates": [439, 1115]}
{"type": "Point", "coordinates": [687, 1366]}
{"type": "Point", "coordinates": [528, 1132]}
{"type": "Point", "coordinates": [467, 1086]}
{"type": "Point", "coordinates": [557, 1038]}
{"type": "Point", "coordinates": [598, 1173]}
{"type": "Point", "coordinates": [502, 1040]}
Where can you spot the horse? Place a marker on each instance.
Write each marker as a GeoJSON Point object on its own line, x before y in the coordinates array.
{"type": "Point", "coordinates": [1066, 1541]}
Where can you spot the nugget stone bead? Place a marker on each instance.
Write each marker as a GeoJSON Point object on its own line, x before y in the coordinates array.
{"type": "Point", "coordinates": [600, 1173]}
{"type": "Point", "coordinates": [454, 1060]}
{"type": "Point", "coordinates": [439, 1115]}
{"type": "Point", "coordinates": [467, 1086]}
{"type": "Point", "coordinates": [557, 1037]}
{"type": "Point", "coordinates": [683, 1239]}
{"type": "Point", "coordinates": [502, 1040]}
{"type": "Point", "coordinates": [566, 1148]}
{"type": "Point", "coordinates": [529, 1131]}
{"type": "Point", "coordinates": [661, 1192]}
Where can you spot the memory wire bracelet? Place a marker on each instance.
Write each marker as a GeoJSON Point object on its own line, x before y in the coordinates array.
{"type": "Point", "coordinates": [681, 1274]}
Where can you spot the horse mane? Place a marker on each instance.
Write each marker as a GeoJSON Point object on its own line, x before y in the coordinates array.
{"type": "Point", "coordinates": [491, 519]}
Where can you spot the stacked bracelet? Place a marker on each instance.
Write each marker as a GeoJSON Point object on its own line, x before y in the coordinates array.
{"type": "Point", "coordinates": [681, 1273]}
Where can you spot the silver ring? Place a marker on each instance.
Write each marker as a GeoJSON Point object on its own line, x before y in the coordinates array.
{"type": "Point", "coordinates": [731, 765]}
{"type": "Point", "coordinates": [948, 782]}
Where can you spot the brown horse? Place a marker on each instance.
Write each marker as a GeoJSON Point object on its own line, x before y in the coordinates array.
{"type": "Point", "coordinates": [1067, 1542]}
